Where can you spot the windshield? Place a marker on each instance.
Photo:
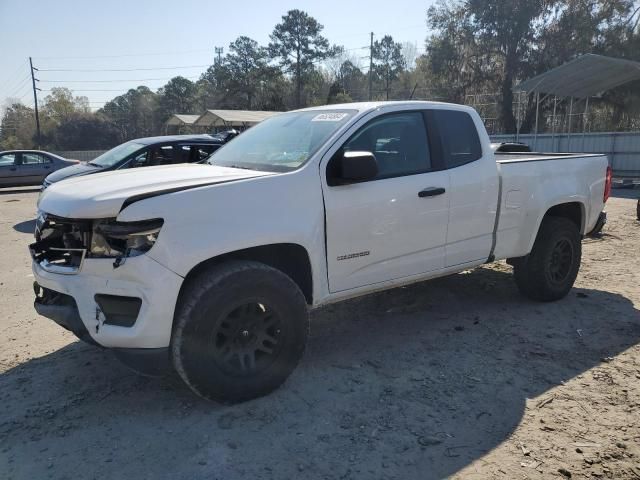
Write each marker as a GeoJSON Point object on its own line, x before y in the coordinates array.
{"type": "Point", "coordinates": [116, 154]}
{"type": "Point", "coordinates": [281, 143]}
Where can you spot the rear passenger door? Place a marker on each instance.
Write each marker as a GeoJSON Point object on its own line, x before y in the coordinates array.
{"type": "Point", "coordinates": [34, 167]}
{"type": "Point", "coordinates": [473, 176]}
{"type": "Point", "coordinates": [395, 225]}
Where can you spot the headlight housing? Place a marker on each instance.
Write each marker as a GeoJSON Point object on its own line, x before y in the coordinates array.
{"type": "Point", "coordinates": [124, 239]}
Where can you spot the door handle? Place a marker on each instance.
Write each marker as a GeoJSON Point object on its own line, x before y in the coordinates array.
{"type": "Point", "coordinates": [47, 167]}
{"type": "Point", "coordinates": [431, 192]}
{"type": "Point", "coordinates": [13, 169]}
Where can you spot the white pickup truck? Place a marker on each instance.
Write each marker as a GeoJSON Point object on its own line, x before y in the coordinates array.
{"type": "Point", "coordinates": [212, 268]}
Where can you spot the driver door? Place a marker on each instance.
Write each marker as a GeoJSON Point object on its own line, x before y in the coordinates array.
{"type": "Point", "coordinates": [393, 226]}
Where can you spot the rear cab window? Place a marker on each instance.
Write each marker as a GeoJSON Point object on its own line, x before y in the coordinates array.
{"type": "Point", "coordinates": [458, 135]}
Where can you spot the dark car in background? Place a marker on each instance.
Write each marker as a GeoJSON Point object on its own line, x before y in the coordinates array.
{"type": "Point", "coordinates": [144, 152]}
{"type": "Point", "coordinates": [29, 167]}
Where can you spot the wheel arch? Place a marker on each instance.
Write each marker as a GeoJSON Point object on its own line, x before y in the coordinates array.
{"type": "Point", "coordinates": [291, 259]}
{"type": "Point", "coordinates": [574, 211]}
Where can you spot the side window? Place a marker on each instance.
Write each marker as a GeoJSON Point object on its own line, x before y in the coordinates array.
{"type": "Point", "coordinates": [398, 141]}
{"type": "Point", "coordinates": [34, 159]}
{"type": "Point", "coordinates": [203, 151]}
{"type": "Point", "coordinates": [194, 153]}
{"type": "Point", "coordinates": [460, 141]}
{"type": "Point", "coordinates": [154, 156]}
{"type": "Point", "coordinates": [140, 160]}
{"type": "Point", "coordinates": [7, 159]}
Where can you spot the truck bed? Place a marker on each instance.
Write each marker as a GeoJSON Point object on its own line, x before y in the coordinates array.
{"type": "Point", "coordinates": [511, 157]}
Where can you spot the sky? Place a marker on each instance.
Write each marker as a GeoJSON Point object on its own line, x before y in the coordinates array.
{"type": "Point", "coordinates": [152, 41]}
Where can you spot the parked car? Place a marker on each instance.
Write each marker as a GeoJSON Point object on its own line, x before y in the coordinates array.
{"type": "Point", "coordinates": [29, 167]}
{"type": "Point", "coordinates": [144, 152]}
{"type": "Point", "coordinates": [212, 268]}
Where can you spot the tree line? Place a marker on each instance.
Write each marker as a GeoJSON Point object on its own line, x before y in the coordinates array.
{"type": "Point", "coordinates": [475, 52]}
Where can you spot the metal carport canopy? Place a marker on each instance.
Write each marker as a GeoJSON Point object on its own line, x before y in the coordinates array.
{"type": "Point", "coordinates": [233, 118]}
{"type": "Point", "coordinates": [182, 119]}
{"type": "Point", "coordinates": [583, 77]}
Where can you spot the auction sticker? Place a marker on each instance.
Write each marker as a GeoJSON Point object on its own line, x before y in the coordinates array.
{"type": "Point", "coordinates": [329, 117]}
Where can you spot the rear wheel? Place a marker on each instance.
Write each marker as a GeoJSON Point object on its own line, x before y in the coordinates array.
{"type": "Point", "coordinates": [549, 271]}
{"type": "Point", "coordinates": [240, 330]}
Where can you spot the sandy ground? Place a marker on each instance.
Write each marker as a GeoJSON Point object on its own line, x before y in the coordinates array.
{"type": "Point", "coordinates": [459, 377]}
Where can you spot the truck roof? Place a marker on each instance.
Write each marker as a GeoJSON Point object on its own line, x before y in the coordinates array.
{"type": "Point", "coordinates": [366, 106]}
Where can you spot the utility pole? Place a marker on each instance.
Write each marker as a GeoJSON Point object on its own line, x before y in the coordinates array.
{"type": "Point", "coordinates": [371, 67]}
{"type": "Point", "coordinates": [219, 51]}
{"type": "Point", "coordinates": [35, 100]}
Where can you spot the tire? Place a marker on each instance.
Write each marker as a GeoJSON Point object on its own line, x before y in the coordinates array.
{"type": "Point", "coordinates": [240, 330]}
{"type": "Point", "coordinates": [549, 271]}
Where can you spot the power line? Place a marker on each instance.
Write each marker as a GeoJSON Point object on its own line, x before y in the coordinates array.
{"type": "Point", "coordinates": [148, 54]}
{"type": "Point", "coordinates": [15, 74]}
{"type": "Point", "coordinates": [20, 87]}
{"type": "Point", "coordinates": [116, 81]}
{"type": "Point", "coordinates": [120, 69]}
{"type": "Point", "coordinates": [91, 90]}
{"type": "Point", "coordinates": [15, 85]}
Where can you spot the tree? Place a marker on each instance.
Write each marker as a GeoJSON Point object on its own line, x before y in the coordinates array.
{"type": "Point", "coordinates": [509, 29]}
{"type": "Point", "coordinates": [85, 131]}
{"type": "Point", "coordinates": [17, 129]}
{"type": "Point", "coordinates": [177, 96]}
{"type": "Point", "coordinates": [134, 113]}
{"type": "Point", "coordinates": [388, 61]}
{"type": "Point", "coordinates": [352, 80]}
{"type": "Point", "coordinates": [297, 43]}
{"type": "Point", "coordinates": [249, 69]}
{"type": "Point", "coordinates": [60, 104]}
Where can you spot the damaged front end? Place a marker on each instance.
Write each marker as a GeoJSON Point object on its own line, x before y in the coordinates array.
{"type": "Point", "coordinates": [62, 309]}
{"type": "Point", "coordinates": [63, 244]}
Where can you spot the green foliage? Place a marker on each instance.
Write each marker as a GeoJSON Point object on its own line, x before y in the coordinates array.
{"type": "Point", "coordinates": [82, 131]}
{"type": "Point", "coordinates": [18, 127]}
{"type": "Point", "coordinates": [474, 47]}
{"type": "Point", "coordinates": [481, 46]}
{"type": "Point", "coordinates": [177, 96]}
{"type": "Point", "coordinates": [388, 61]}
{"type": "Point", "coordinates": [298, 45]}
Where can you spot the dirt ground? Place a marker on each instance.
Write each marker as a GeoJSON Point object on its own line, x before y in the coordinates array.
{"type": "Point", "coordinates": [459, 377]}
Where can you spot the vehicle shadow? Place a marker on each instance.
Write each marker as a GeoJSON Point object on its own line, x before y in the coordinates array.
{"type": "Point", "coordinates": [10, 191]}
{"type": "Point", "coordinates": [417, 382]}
{"type": "Point", "coordinates": [28, 226]}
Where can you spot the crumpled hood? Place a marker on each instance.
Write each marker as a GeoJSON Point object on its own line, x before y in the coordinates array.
{"type": "Point", "coordinates": [103, 195]}
{"type": "Point", "coordinates": [72, 171]}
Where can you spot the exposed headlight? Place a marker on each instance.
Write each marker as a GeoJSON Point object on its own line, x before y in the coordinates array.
{"type": "Point", "coordinates": [124, 239]}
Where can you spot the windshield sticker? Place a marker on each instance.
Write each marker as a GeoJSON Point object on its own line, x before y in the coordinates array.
{"type": "Point", "coordinates": [329, 117]}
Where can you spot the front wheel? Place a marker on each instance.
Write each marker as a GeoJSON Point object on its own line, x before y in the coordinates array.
{"type": "Point", "coordinates": [550, 270]}
{"type": "Point", "coordinates": [240, 330]}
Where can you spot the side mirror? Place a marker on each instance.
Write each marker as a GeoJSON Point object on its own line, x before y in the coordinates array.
{"type": "Point", "coordinates": [356, 167]}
